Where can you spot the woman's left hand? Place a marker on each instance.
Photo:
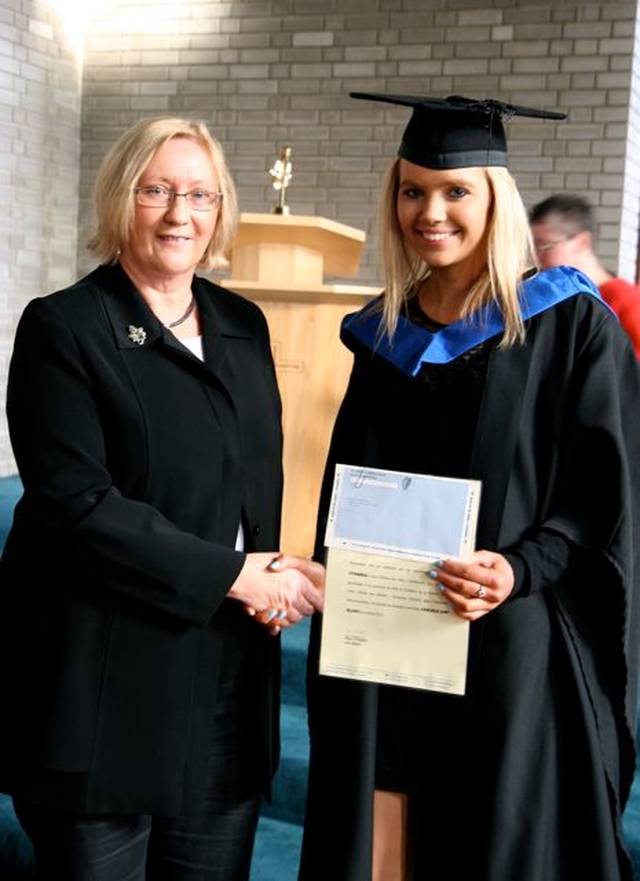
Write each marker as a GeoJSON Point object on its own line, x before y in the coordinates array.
{"type": "Point", "coordinates": [475, 587]}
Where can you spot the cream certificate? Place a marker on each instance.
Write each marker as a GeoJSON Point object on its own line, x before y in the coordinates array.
{"type": "Point", "coordinates": [384, 619]}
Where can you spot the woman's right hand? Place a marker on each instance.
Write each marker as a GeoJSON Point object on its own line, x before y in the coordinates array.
{"type": "Point", "coordinates": [279, 589]}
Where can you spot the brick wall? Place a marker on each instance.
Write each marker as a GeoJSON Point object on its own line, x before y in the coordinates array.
{"type": "Point", "coordinates": [265, 74]}
{"type": "Point", "coordinates": [39, 166]}
{"type": "Point", "coordinates": [278, 72]}
{"type": "Point", "coordinates": [626, 225]}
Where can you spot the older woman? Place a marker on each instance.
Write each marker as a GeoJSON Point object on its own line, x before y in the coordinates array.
{"type": "Point", "coordinates": [140, 698]}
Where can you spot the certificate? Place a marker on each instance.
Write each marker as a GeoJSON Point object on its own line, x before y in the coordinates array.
{"type": "Point", "coordinates": [385, 619]}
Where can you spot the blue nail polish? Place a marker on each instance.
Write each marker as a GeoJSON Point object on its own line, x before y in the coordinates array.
{"type": "Point", "coordinates": [432, 573]}
{"type": "Point", "coordinates": [441, 588]}
{"type": "Point", "coordinates": [282, 616]}
{"type": "Point", "coordinates": [271, 614]}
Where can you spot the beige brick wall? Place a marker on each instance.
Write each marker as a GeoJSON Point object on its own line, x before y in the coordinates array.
{"type": "Point", "coordinates": [265, 74]}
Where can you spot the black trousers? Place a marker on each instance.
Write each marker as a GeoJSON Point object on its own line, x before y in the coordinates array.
{"type": "Point", "coordinates": [216, 845]}
{"type": "Point", "coordinates": [213, 845]}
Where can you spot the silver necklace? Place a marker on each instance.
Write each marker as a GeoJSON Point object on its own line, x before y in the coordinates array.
{"type": "Point", "coordinates": [183, 318]}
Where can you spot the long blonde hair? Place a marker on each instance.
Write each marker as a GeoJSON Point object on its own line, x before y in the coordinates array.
{"type": "Point", "coordinates": [121, 170]}
{"type": "Point", "coordinates": [510, 255]}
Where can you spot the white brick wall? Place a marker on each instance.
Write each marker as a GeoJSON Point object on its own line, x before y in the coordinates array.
{"type": "Point", "coordinates": [263, 76]}
{"type": "Point", "coordinates": [265, 73]}
{"type": "Point", "coordinates": [39, 167]}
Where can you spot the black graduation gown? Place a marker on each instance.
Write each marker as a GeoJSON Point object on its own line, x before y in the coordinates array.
{"type": "Point", "coordinates": [527, 776]}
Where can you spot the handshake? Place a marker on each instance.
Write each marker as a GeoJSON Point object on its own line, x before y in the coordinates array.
{"type": "Point", "coordinates": [279, 590]}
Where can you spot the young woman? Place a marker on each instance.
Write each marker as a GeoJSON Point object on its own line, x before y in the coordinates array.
{"type": "Point", "coordinates": [474, 365]}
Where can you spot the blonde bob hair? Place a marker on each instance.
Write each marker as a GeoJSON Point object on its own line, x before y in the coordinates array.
{"type": "Point", "coordinates": [510, 256]}
{"type": "Point", "coordinates": [122, 168]}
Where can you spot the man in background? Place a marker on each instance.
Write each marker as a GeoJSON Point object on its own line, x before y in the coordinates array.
{"type": "Point", "coordinates": [564, 232]}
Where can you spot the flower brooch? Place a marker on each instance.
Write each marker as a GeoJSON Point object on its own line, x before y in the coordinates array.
{"type": "Point", "coordinates": [137, 335]}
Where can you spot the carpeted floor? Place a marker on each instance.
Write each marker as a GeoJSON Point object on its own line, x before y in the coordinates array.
{"type": "Point", "coordinates": [631, 823]}
{"type": "Point", "coordinates": [277, 849]}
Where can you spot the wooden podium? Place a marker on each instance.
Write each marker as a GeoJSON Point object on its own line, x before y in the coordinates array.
{"type": "Point", "coordinates": [280, 261]}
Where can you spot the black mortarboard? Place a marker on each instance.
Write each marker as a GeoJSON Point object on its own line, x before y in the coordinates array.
{"type": "Point", "coordinates": [456, 132]}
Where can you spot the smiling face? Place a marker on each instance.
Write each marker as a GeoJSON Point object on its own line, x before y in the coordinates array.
{"type": "Point", "coordinates": [167, 244]}
{"type": "Point", "coordinates": [444, 214]}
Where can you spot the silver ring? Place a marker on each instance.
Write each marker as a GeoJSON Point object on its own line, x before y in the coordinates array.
{"type": "Point", "coordinates": [480, 592]}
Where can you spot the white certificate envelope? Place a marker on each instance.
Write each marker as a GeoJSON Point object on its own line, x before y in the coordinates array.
{"type": "Point", "coordinates": [385, 619]}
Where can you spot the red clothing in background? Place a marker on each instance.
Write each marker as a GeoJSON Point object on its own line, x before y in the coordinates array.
{"type": "Point", "coordinates": [624, 299]}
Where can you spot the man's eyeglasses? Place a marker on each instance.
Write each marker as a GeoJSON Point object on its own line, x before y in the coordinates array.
{"type": "Point", "coordinates": [547, 246]}
{"type": "Point", "coordinates": [158, 196]}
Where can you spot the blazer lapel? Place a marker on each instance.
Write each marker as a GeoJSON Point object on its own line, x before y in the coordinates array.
{"type": "Point", "coordinates": [136, 328]}
{"type": "Point", "coordinates": [134, 324]}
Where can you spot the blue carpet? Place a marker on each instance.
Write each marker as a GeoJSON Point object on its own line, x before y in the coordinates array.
{"type": "Point", "coordinates": [631, 825]}
{"type": "Point", "coordinates": [16, 857]}
{"type": "Point", "coordinates": [10, 492]}
{"type": "Point", "coordinates": [277, 851]}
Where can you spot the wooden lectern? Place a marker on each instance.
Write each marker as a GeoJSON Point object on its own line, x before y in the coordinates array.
{"type": "Point", "coordinates": [280, 261]}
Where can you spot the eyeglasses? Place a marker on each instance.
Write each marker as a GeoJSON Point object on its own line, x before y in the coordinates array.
{"type": "Point", "coordinates": [158, 196]}
{"type": "Point", "coordinates": [547, 246]}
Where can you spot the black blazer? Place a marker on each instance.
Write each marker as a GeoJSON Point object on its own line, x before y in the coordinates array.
{"type": "Point", "coordinates": [138, 462]}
